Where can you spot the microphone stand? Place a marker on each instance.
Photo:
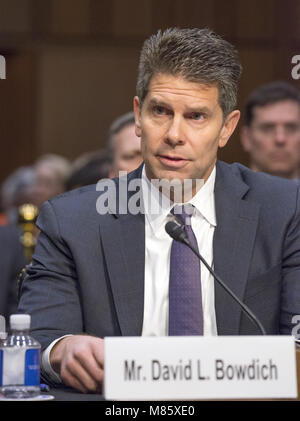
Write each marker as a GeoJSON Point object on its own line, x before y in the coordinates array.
{"type": "Point", "coordinates": [177, 232]}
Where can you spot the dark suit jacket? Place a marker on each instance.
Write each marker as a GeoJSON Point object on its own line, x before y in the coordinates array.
{"type": "Point", "coordinates": [12, 261]}
{"type": "Point", "coordinates": [88, 269]}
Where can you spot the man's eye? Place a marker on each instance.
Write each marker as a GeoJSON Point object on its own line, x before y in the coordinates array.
{"type": "Point", "coordinates": [197, 116]}
{"type": "Point", "coordinates": [159, 110]}
{"type": "Point", "coordinates": [267, 128]}
{"type": "Point", "coordinates": [292, 128]}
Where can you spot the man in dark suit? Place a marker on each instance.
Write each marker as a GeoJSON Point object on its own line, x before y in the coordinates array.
{"type": "Point", "coordinates": [12, 261]}
{"type": "Point", "coordinates": [102, 263]}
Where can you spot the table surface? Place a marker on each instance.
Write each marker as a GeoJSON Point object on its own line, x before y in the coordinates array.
{"type": "Point", "coordinates": [67, 394]}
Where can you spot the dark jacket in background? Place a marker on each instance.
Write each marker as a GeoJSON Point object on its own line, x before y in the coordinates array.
{"type": "Point", "coordinates": [12, 261]}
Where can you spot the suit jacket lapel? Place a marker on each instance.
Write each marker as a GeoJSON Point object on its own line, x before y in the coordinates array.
{"type": "Point", "coordinates": [123, 240]}
{"type": "Point", "coordinates": [233, 243]}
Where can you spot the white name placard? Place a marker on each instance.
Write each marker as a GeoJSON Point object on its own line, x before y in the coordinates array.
{"type": "Point", "coordinates": [195, 368]}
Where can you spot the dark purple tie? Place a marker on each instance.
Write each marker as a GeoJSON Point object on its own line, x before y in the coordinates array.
{"type": "Point", "coordinates": [185, 298]}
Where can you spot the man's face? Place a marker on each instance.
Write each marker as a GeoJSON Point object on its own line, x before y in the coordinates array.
{"type": "Point", "coordinates": [273, 139]}
{"type": "Point", "coordinates": [181, 128]}
{"type": "Point", "coordinates": [127, 150]}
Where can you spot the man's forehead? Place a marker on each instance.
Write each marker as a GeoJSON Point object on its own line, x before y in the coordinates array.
{"type": "Point", "coordinates": [166, 88]}
{"type": "Point", "coordinates": [277, 111]}
{"type": "Point", "coordinates": [178, 83]}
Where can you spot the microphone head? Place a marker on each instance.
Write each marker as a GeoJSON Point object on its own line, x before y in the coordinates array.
{"type": "Point", "coordinates": [176, 231]}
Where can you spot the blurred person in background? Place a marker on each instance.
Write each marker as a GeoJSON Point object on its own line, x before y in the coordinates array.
{"type": "Point", "coordinates": [124, 145]}
{"type": "Point", "coordinates": [22, 194]}
{"type": "Point", "coordinates": [89, 169]}
{"type": "Point", "coordinates": [17, 189]}
{"type": "Point", "coordinates": [271, 133]}
{"type": "Point", "coordinates": [51, 172]}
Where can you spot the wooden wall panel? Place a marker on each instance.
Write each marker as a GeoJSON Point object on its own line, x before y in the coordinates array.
{"type": "Point", "coordinates": [288, 21]}
{"type": "Point", "coordinates": [259, 66]}
{"type": "Point", "coordinates": [102, 13]}
{"type": "Point", "coordinates": [191, 13]}
{"type": "Point", "coordinates": [296, 22]}
{"type": "Point", "coordinates": [196, 14]}
{"type": "Point", "coordinates": [255, 19]}
{"type": "Point", "coordinates": [80, 92]}
{"type": "Point", "coordinates": [225, 20]}
{"type": "Point", "coordinates": [75, 62]}
{"type": "Point", "coordinates": [15, 16]}
{"type": "Point", "coordinates": [70, 17]}
{"type": "Point", "coordinates": [131, 18]}
{"type": "Point", "coordinates": [17, 113]}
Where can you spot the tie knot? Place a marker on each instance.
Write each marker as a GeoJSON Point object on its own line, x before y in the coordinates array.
{"type": "Point", "coordinates": [183, 213]}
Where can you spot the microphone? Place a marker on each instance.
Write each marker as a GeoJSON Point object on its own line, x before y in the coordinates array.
{"type": "Point", "coordinates": [177, 232]}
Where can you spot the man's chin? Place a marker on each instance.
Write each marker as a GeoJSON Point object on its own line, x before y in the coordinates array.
{"type": "Point", "coordinates": [279, 171]}
{"type": "Point", "coordinates": [170, 176]}
{"type": "Point", "coordinates": [165, 173]}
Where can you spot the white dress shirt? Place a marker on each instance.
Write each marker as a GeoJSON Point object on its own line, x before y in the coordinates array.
{"type": "Point", "coordinates": [157, 256]}
{"type": "Point", "coordinates": [157, 261]}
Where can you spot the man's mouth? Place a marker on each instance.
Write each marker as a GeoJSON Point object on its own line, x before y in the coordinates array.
{"type": "Point", "coordinates": [172, 161]}
{"type": "Point", "coordinates": [280, 156]}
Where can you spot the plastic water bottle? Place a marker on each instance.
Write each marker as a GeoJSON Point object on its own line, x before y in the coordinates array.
{"type": "Point", "coordinates": [3, 344]}
{"type": "Point", "coordinates": [20, 360]}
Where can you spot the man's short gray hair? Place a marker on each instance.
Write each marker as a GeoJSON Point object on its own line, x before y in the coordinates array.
{"type": "Point", "coordinates": [197, 55]}
{"type": "Point", "coordinates": [60, 165]}
{"type": "Point", "coordinates": [15, 186]}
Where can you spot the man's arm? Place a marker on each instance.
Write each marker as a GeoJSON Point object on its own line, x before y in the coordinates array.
{"type": "Point", "coordinates": [50, 290]}
{"type": "Point", "coordinates": [50, 293]}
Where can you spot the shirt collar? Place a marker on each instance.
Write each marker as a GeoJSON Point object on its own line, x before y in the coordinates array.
{"type": "Point", "coordinates": [204, 200]}
{"type": "Point", "coordinates": [157, 207]}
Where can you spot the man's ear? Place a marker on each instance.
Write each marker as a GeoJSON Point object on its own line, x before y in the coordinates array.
{"type": "Point", "coordinates": [229, 126]}
{"type": "Point", "coordinates": [137, 116]}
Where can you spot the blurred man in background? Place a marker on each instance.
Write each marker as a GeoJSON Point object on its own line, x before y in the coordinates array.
{"type": "Point", "coordinates": [17, 189]}
{"type": "Point", "coordinates": [26, 186]}
{"type": "Point", "coordinates": [271, 133]}
{"type": "Point", "coordinates": [89, 169]}
{"type": "Point", "coordinates": [51, 171]}
{"type": "Point", "coordinates": [124, 145]}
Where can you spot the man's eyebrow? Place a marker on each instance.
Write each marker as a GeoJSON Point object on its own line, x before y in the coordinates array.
{"type": "Point", "coordinates": [190, 109]}
{"type": "Point", "coordinates": [199, 109]}
{"type": "Point", "coordinates": [156, 101]}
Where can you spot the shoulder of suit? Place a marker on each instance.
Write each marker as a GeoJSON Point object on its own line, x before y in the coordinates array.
{"type": "Point", "coordinates": [264, 180]}
{"type": "Point", "coordinates": [264, 188]}
{"type": "Point", "coordinates": [76, 193]}
{"type": "Point", "coordinates": [87, 194]}
{"type": "Point", "coordinates": [75, 202]}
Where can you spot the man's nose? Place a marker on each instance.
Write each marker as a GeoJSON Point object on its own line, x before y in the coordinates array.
{"type": "Point", "coordinates": [280, 135]}
{"type": "Point", "coordinates": [175, 132]}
